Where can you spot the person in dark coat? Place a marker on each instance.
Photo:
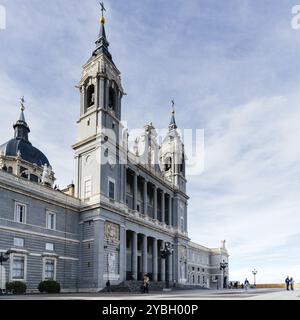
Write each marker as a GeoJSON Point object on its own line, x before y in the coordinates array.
{"type": "Point", "coordinates": [108, 287]}
{"type": "Point", "coordinates": [287, 283]}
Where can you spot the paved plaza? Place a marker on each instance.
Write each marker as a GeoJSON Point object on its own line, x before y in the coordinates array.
{"type": "Point", "coordinates": [259, 294]}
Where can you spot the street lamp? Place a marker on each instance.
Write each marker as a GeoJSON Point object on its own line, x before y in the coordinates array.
{"type": "Point", "coordinates": [223, 266]}
{"type": "Point", "coordinates": [254, 272]}
{"type": "Point", "coordinates": [3, 258]}
{"type": "Point", "coordinates": [165, 253]}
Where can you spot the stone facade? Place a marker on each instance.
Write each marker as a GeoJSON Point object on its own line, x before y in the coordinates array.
{"type": "Point", "coordinates": [124, 208]}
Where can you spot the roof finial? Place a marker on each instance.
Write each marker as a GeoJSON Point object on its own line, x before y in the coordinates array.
{"type": "Point", "coordinates": [22, 101]}
{"type": "Point", "coordinates": [102, 44]}
{"type": "Point", "coordinates": [172, 124]}
{"type": "Point", "coordinates": [102, 19]}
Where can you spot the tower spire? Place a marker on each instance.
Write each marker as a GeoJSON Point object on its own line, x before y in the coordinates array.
{"type": "Point", "coordinates": [21, 127]}
{"type": "Point", "coordinates": [101, 43]}
{"type": "Point", "coordinates": [173, 124]}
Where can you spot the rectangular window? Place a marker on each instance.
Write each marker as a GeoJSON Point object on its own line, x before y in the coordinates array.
{"type": "Point", "coordinates": [51, 220]}
{"type": "Point", "coordinates": [87, 189]}
{"type": "Point", "coordinates": [111, 189]}
{"type": "Point", "coordinates": [49, 246]}
{"type": "Point", "coordinates": [18, 242]}
{"type": "Point", "coordinates": [18, 268]}
{"type": "Point", "coordinates": [49, 269]}
{"type": "Point", "coordinates": [20, 213]}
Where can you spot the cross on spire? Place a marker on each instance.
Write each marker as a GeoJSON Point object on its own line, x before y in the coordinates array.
{"type": "Point", "coordinates": [102, 7]}
{"type": "Point", "coordinates": [22, 101]}
{"type": "Point", "coordinates": [102, 43]}
{"type": "Point", "coordinates": [173, 106]}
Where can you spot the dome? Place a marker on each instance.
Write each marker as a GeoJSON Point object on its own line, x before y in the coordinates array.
{"type": "Point", "coordinates": [28, 152]}
{"type": "Point", "coordinates": [20, 145]}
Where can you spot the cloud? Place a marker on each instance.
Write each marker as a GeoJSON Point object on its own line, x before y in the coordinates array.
{"type": "Point", "coordinates": [249, 192]}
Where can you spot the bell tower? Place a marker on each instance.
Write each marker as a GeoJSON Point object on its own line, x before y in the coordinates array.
{"type": "Point", "coordinates": [98, 125]}
{"type": "Point", "coordinates": [172, 156]}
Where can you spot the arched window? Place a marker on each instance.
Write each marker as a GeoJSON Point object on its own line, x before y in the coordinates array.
{"type": "Point", "coordinates": [90, 95]}
{"type": "Point", "coordinates": [112, 99]}
{"type": "Point", "coordinates": [10, 170]}
{"type": "Point", "coordinates": [168, 163]}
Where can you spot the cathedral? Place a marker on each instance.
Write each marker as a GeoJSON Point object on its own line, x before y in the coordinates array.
{"type": "Point", "coordinates": [126, 213]}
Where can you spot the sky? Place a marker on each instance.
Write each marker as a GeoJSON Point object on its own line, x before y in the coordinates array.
{"type": "Point", "coordinates": [232, 68]}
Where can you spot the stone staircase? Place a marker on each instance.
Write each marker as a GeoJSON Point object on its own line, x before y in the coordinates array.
{"type": "Point", "coordinates": [135, 286]}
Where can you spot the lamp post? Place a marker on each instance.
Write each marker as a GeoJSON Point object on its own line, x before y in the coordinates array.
{"type": "Point", "coordinates": [254, 272]}
{"type": "Point", "coordinates": [3, 258]}
{"type": "Point", "coordinates": [223, 266]}
{"type": "Point", "coordinates": [165, 253]}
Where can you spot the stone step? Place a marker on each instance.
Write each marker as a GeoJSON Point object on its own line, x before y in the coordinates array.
{"type": "Point", "coordinates": [136, 286]}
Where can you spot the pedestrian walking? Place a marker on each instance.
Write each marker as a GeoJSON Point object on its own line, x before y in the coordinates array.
{"type": "Point", "coordinates": [246, 284]}
{"type": "Point", "coordinates": [287, 283]}
{"type": "Point", "coordinates": [292, 284]}
{"type": "Point", "coordinates": [108, 287]}
{"type": "Point", "coordinates": [146, 283]}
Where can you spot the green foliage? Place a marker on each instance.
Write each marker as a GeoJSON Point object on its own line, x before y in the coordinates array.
{"type": "Point", "coordinates": [16, 287]}
{"type": "Point", "coordinates": [49, 286]}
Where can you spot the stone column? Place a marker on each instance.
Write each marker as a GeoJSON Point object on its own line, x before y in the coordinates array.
{"type": "Point", "coordinates": [101, 92]}
{"type": "Point", "coordinates": [163, 264]}
{"type": "Point", "coordinates": [154, 202]}
{"type": "Point", "coordinates": [77, 177]}
{"type": "Point", "coordinates": [135, 191]}
{"type": "Point", "coordinates": [125, 183]}
{"type": "Point", "coordinates": [170, 269]}
{"type": "Point", "coordinates": [82, 100]}
{"type": "Point", "coordinates": [134, 255]}
{"type": "Point", "coordinates": [119, 104]}
{"type": "Point", "coordinates": [99, 254]}
{"type": "Point", "coordinates": [123, 253]}
{"type": "Point", "coordinates": [144, 255]}
{"type": "Point", "coordinates": [162, 206]}
{"type": "Point", "coordinates": [97, 91]}
{"type": "Point", "coordinates": [145, 198]}
{"type": "Point", "coordinates": [154, 259]}
{"type": "Point", "coordinates": [170, 210]}
{"type": "Point", "coordinates": [107, 84]}
{"type": "Point", "coordinates": [185, 217]}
